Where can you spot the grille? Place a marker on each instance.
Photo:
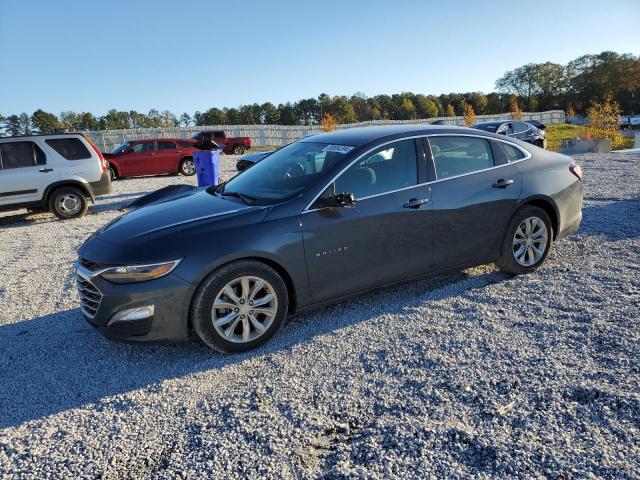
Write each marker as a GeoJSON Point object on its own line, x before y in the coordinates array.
{"type": "Point", "coordinates": [90, 296]}
{"type": "Point", "coordinates": [89, 264]}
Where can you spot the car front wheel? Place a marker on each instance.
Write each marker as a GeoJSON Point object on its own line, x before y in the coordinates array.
{"type": "Point", "coordinates": [527, 241]}
{"type": "Point", "coordinates": [240, 306]}
{"type": "Point", "coordinates": [68, 202]}
{"type": "Point", "coordinates": [238, 150]}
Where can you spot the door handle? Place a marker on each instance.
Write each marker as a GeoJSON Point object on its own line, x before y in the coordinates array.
{"type": "Point", "coordinates": [45, 170]}
{"type": "Point", "coordinates": [415, 202]}
{"type": "Point", "coordinates": [502, 183]}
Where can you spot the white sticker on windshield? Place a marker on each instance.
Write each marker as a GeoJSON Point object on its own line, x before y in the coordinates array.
{"type": "Point", "coordinates": [337, 148]}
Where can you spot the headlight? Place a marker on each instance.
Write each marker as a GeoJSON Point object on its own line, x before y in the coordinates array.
{"type": "Point", "coordinates": [139, 273]}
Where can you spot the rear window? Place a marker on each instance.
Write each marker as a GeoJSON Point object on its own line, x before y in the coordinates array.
{"type": "Point", "coordinates": [69, 148]}
{"type": "Point", "coordinates": [166, 146]}
{"type": "Point", "coordinates": [21, 154]}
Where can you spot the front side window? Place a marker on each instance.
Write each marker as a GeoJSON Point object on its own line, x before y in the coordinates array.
{"type": "Point", "coordinates": [285, 172]}
{"type": "Point", "coordinates": [143, 147]}
{"type": "Point", "coordinates": [390, 168]}
{"type": "Point", "coordinates": [21, 154]}
{"type": "Point", "coordinates": [69, 148]}
{"type": "Point", "coordinates": [121, 148]}
{"type": "Point", "coordinates": [166, 146]}
{"type": "Point", "coordinates": [506, 129]}
{"type": "Point", "coordinates": [458, 155]}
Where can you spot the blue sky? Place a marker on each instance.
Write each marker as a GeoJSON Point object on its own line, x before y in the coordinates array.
{"type": "Point", "coordinates": [192, 55]}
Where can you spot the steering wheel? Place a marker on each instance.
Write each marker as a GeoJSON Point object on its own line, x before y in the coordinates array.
{"type": "Point", "coordinates": [296, 170]}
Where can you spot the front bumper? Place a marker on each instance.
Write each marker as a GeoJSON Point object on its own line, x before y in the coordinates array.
{"type": "Point", "coordinates": [170, 296]}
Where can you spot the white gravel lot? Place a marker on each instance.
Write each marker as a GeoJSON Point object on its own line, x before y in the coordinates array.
{"type": "Point", "coordinates": [476, 374]}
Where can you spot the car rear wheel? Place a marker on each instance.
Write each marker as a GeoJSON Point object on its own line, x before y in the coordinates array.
{"type": "Point", "coordinates": [527, 241]}
{"type": "Point", "coordinates": [187, 167]}
{"type": "Point", "coordinates": [240, 306]}
{"type": "Point", "coordinates": [538, 143]}
{"type": "Point", "coordinates": [112, 173]}
{"type": "Point", "coordinates": [238, 150]}
{"type": "Point", "coordinates": [68, 202]}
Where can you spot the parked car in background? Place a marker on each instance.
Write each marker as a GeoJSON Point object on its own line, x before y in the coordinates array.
{"type": "Point", "coordinates": [152, 157]}
{"type": "Point", "coordinates": [524, 131]}
{"type": "Point", "coordinates": [231, 145]}
{"type": "Point", "coordinates": [60, 173]}
{"type": "Point", "coordinates": [250, 159]}
{"type": "Point", "coordinates": [329, 216]}
{"type": "Point", "coordinates": [578, 120]}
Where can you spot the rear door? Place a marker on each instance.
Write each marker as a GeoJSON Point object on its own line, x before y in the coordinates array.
{"type": "Point", "coordinates": [474, 194]}
{"type": "Point", "coordinates": [25, 172]}
{"type": "Point", "coordinates": [166, 156]}
{"type": "Point", "coordinates": [76, 159]}
{"type": "Point", "coordinates": [386, 237]}
{"type": "Point", "coordinates": [140, 160]}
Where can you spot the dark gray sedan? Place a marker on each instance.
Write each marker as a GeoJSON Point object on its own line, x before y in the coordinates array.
{"type": "Point", "coordinates": [326, 217]}
{"type": "Point", "coordinates": [525, 131]}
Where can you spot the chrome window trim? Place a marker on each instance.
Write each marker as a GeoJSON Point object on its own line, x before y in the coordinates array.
{"type": "Point", "coordinates": [437, 180]}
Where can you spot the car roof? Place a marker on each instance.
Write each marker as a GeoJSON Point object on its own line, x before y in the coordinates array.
{"type": "Point", "coordinates": [34, 135]}
{"type": "Point", "coordinates": [356, 137]}
{"type": "Point", "coordinates": [190, 140]}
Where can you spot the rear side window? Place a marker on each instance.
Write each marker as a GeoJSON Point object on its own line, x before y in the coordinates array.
{"type": "Point", "coordinates": [460, 155]}
{"type": "Point", "coordinates": [511, 152]}
{"type": "Point", "coordinates": [519, 127]}
{"type": "Point", "coordinates": [21, 154]}
{"type": "Point", "coordinates": [69, 148]}
{"type": "Point", "coordinates": [166, 146]}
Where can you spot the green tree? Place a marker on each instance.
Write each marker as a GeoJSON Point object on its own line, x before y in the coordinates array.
{"type": "Point", "coordinates": [185, 120]}
{"type": "Point", "coordinates": [342, 110]}
{"type": "Point", "coordinates": [44, 122]}
{"type": "Point", "coordinates": [271, 115]}
{"type": "Point", "coordinates": [12, 125]}
{"type": "Point", "coordinates": [2, 121]}
{"type": "Point", "coordinates": [407, 110]}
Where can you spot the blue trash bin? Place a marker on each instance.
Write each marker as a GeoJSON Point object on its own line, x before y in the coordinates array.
{"type": "Point", "coordinates": [207, 165]}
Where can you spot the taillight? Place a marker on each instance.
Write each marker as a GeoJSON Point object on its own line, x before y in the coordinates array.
{"type": "Point", "coordinates": [576, 170]}
{"type": "Point", "coordinates": [104, 165]}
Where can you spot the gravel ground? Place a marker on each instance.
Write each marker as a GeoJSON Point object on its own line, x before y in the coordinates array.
{"type": "Point", "coordinates": [476, 374]}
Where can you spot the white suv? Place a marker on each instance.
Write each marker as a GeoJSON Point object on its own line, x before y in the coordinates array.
{"type": "Point", "coordinates": [60, 173]}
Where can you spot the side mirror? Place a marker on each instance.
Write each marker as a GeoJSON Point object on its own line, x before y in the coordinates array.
{"type": "Point", "coordinates": [339, 200]}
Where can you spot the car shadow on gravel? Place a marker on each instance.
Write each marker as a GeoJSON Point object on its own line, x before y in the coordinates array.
{"type": "Point", "coordinates": [58, 362]}
{"type": "Point", "coordinates": [615, 220]}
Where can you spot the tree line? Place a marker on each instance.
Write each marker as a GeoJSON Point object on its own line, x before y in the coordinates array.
{"type": "Point", "coordinates": [534, 87]}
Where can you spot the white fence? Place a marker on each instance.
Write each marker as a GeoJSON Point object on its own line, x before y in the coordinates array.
{"type": "Point", "coordinates": [279, 135]}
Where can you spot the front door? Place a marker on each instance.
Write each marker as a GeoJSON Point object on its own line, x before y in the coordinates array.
{"type": "Point", "coordinates": [139, 160]}
{"type": "Point", "coordinates": [472, 199]}
{"type": "Point", "coordinates": [24, 172]}
{"type": "Point", "coordinates": [386, 237]}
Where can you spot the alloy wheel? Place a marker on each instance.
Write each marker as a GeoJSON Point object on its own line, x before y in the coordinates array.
{"type": "Point", "coordinates": [244, 309]}
{"type": "Point", "coordinates": [530, 241]}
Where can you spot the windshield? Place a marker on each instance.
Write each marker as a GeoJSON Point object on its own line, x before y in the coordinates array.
{"type": "Point", "coordinates": [488, 127]}
{"type": "Point", "coordinates": [198, 135]}
{"type": "Point", "coordinates": [286, 172]}
{"type": "Point", "coordinates": [121, 148]}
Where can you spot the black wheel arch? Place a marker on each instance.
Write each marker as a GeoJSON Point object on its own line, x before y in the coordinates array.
{"type": "Point", "coordinates": [85, 188]}
{"type": "Point", "coordinates": [280, 270]}
{"type": "Point", "coordinates": [548, 205]}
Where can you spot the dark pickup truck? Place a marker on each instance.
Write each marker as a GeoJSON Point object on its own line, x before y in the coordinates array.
{"type": "Point", "coordinates": [235, 145]}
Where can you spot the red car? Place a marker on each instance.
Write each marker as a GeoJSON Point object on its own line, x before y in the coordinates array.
{"type": "Point", "coordinates": [151, 157]}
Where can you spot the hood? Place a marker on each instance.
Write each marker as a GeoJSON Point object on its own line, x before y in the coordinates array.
{"type": "Point", "coordinates": [173, 215]}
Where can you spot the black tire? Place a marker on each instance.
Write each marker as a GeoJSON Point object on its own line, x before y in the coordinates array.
{"type": "Point", "coordinates": [507, 260]}
{"type": "Point", "coordinates": [187, 167]}
{"type": "Point", "coordinates": [112, 173]}
{"type": "Point", "coordinates": [238, 150]}
{"type": "Point", "coordinates": [59, 206]}
{"type": "Point", "coordinates": [212, 285]}
{"type": "Point", "coordinates": [538, 143]}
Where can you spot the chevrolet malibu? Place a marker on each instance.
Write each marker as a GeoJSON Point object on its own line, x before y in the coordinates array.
{"type": "Point", "coordinates": [321, 219]}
